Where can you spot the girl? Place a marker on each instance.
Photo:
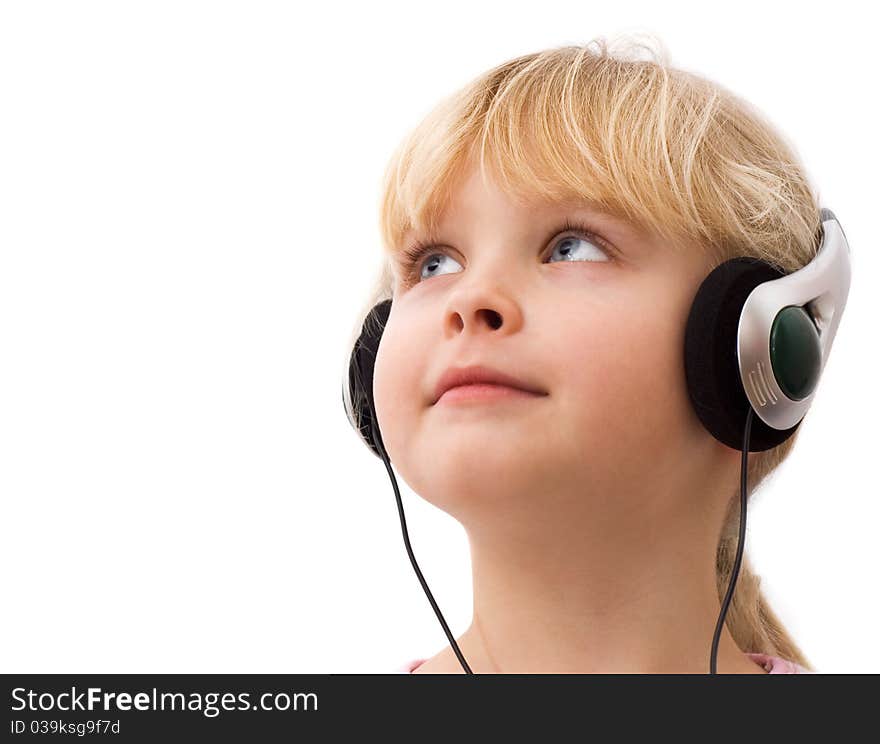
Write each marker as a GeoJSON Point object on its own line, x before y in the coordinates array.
{"type": "Point", "coordinates": [548, 226]}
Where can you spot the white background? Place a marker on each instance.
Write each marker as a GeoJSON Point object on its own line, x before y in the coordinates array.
{"type": "Point", "coordinates": [188, 227]}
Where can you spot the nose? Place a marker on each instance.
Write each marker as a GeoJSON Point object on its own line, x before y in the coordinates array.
{"type": "Point", "coordinates": [480, 308]}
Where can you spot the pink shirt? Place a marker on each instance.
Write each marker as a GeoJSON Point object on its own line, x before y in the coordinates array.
{"type": "Point", "coordinates": [772, 664]}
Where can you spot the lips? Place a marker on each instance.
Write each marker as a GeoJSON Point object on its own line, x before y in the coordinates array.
{"type": "Point", "coordinates": [479, 374]}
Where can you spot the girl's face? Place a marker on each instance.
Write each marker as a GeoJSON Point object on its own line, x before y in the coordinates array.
{"type": "Point", "coordinates": [598, 325]}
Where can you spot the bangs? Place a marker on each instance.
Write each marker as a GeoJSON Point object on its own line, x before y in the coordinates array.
{"type": "Point", "coordinates": [676, 156]}
{"type": "Point", "coordinates": [564, 126]}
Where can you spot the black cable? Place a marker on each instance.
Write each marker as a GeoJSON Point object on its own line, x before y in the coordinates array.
{"type": "Point", "coordinates": [713, 662]}
{"type": "Point", "coordinates": [412, 558]}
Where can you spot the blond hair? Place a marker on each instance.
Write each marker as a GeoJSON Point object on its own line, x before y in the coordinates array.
{"type": "Point", "coordinates": [662, 148]}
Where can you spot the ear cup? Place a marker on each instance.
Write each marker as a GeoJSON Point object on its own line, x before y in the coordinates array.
{"type": "Point", "coordinates": [710, 354]}
{"type": "Point", "coordinates": [360, 376]}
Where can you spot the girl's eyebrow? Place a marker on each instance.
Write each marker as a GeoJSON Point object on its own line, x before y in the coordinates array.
{"type": "Point", "coordinates": [593, 210]}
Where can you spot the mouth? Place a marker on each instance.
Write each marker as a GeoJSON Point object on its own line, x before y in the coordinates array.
{"type": "Point", "coordinates": [479, 382]}
{"type": "Point", "coordinates": [485, 393]}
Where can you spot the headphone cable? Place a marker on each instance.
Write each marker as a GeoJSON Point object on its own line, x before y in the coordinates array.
{"type": "Point", "coordinates": [412, 558]}
{"type": "Point", "coordinates": [713, 662]}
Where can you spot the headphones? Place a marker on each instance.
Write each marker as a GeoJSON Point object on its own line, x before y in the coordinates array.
{"type": "Point", "coordinates": [756, 343]}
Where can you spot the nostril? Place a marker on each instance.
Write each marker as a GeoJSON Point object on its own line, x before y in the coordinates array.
{"type": "Point", "coordinates": [493, 318]}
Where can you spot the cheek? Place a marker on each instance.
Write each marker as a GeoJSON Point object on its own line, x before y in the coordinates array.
{"type": "Point", "coordinates": [624, 379]}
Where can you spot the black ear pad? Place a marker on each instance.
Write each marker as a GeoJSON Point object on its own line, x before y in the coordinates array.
{"type": "Point", "coordinates": [360, 375]}
{"type": "Point", "coordinates": [710, 358]}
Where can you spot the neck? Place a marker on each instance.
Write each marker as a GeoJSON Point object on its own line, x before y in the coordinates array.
{"type": "Point", "coordinates": [580, 596]}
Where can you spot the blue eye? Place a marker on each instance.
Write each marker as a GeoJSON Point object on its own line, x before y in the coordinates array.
{"type": "Point", "coordinates": [432, 266]}
{"type": "Point", "coordinates": [416, 269]}
{"type": "Point", "coordinates": [567, 248]}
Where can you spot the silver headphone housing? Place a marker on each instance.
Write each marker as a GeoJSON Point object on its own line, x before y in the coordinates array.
{"type": "Point", "coordinates": [821, 288]}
